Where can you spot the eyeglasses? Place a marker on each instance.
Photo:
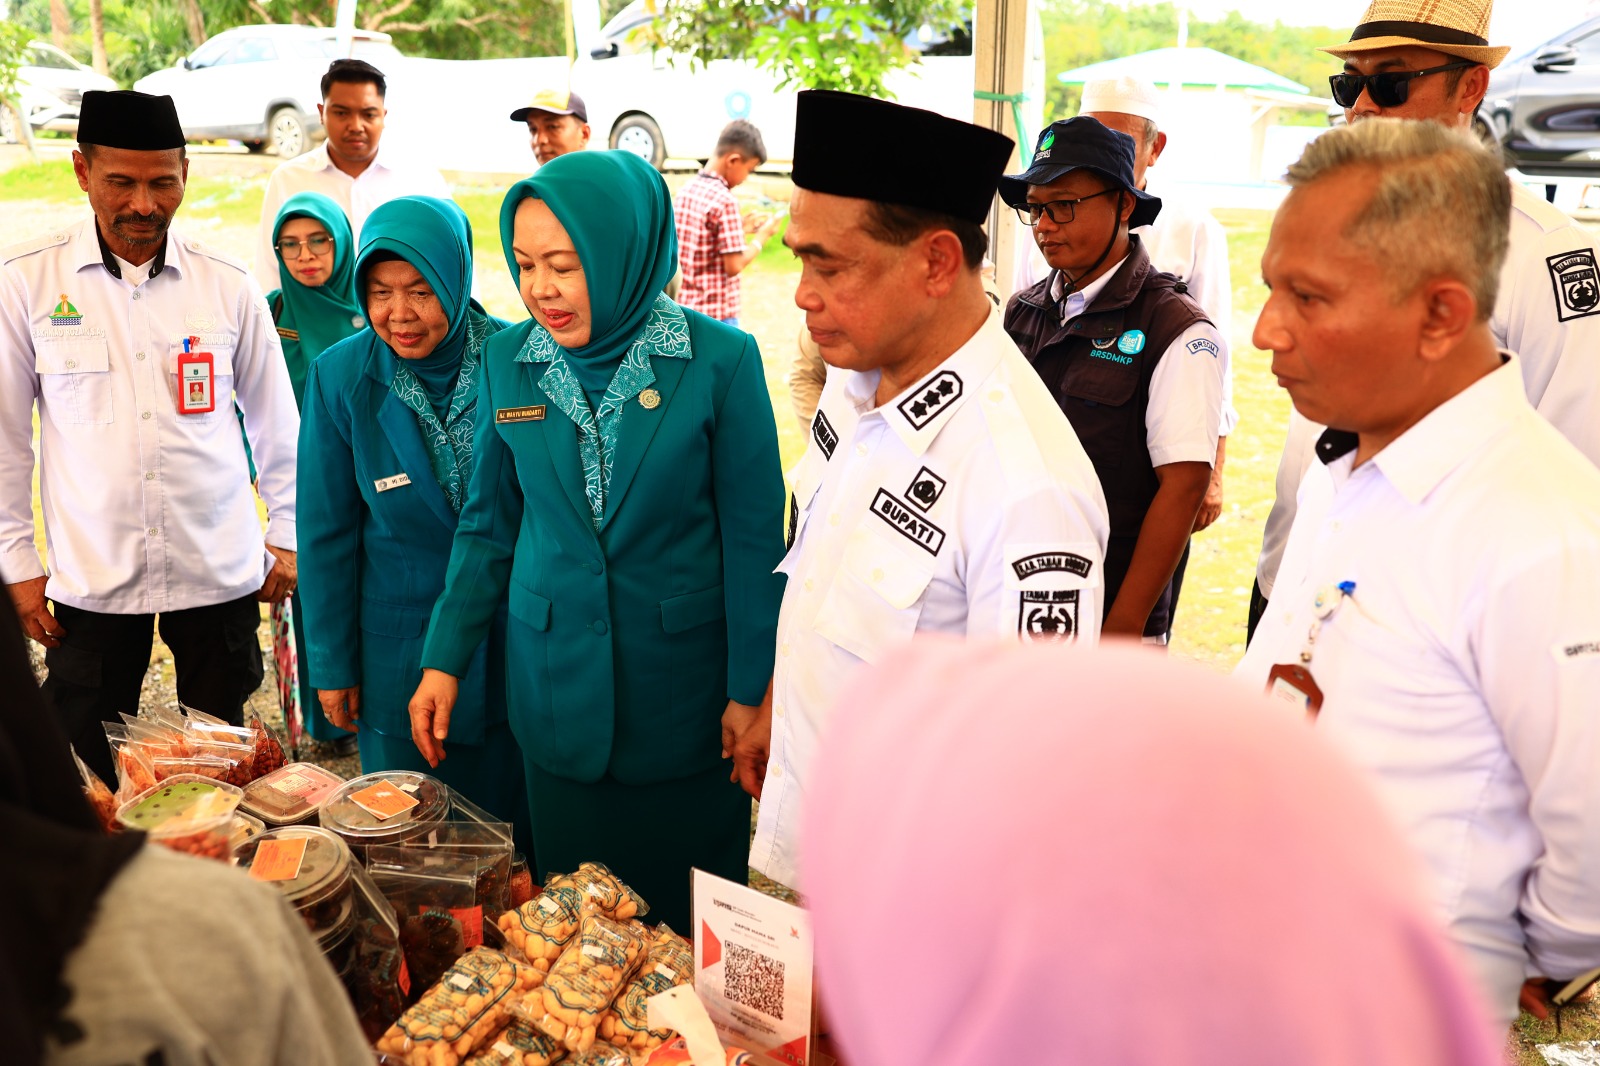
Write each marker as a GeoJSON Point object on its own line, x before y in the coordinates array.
{"type": "Point", "coordinates": [289, 248]}
{"type": "Point", "coordinates": [1388, 88]}
{"type": "Point", "coordinates": [1060, 211]}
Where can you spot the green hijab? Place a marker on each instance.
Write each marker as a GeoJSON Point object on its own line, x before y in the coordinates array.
{"type": "Point", "coordinates": [434, 236]}
{"type": "Point", "coordinates": [618, 212]}
{"type": "Point", "coordinates": [317, 318]}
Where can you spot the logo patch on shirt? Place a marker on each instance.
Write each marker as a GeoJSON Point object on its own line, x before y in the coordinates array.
{"type": "Point", "coordinates": [1577, 282]}
{"type": "Point", "coordinates": [65, 314]}
{"type": "Point", "coordinates": [926, 488]}
{"type": "Point", "coordinates": [1200, 344]}
{"type": "Point", "coordinates": [822, 432]}
{"type": "Point", "coordinates": [519, 414]}
{"type": "Point", "coordinates": [1131, 342]}
{"type": "Point", "coordinates": [200, 320]}
{"type": "Point", "coordinates": [1104, 343]}
{"type": "Point", "coordinates": [909, 524]}
{"type": "Point", "coordinates": [1048, 617]}
{"type": "Point", "coordinates": [1112, 357]}
{"type": "Point", "coordinates": [922, 408]}
{"type": "Point", "coordinates": [1583, 649]}
{"type": "Point", "coordinates": [1045, 562]}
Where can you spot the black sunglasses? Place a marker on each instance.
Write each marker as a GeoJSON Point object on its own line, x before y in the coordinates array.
{"type": "Point", "coordinates": [1387, 88]}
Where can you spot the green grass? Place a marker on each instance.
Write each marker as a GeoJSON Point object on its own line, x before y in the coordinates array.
{"type": "Point", "coordinates": [40, 181]}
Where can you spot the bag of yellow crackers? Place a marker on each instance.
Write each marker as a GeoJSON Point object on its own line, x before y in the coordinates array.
{"type": "Point", "coordinates": [668, 962]}
{"type": "Point", "coordinates": [541, 929]}
{"type": "Point", "coordinates": [585, 980]}
{"type": "Point", "coordinates": [471, 1002]}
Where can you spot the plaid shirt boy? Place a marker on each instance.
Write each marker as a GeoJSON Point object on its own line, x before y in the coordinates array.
{"type": "Point", "coordinates": [709, 227]}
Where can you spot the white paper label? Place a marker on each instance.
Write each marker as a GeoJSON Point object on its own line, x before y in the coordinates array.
{"type": "Point", "coordinates": [460, 982]}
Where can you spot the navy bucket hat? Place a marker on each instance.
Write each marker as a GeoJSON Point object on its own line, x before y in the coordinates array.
{"type": "Point", "coordinates": [1082, 143]}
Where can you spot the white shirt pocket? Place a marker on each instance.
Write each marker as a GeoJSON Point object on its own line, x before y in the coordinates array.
{"type": "Point", "coordinates": [876, 597]}
{"type": "Point", "coordinates": [221, 382]}
{"type": "Point", "coordinates": [75, 379]}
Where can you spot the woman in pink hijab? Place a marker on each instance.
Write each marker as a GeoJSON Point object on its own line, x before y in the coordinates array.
{"type": "Point", "coordinates": [1021, 855]}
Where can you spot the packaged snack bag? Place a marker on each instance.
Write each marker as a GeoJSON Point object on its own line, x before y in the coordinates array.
{"type": "Point", "coordinates": [668, 962]}
{"type": "Point", "coordinates": [100, 797]}
{"type": "Point", "coordinates": [585, 980]}
{"type": "Point", "coordinates": [455, 1017]}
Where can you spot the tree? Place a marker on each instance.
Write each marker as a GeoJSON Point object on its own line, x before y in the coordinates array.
{"type": "Point", "coordinates": [97, 36]}
{"type": "Point", "coordinates": [14, 41]}
{"type": "Point", "coordinates": [848, 44]}
{"type": "Point", "coordinates": [197, 22]}
{"type": "Point", "coordinates": [60, 24]}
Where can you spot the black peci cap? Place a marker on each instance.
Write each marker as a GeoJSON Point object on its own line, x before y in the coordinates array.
{"type": "Point", "coordinates": [126, 119]}
{"type": "Point", "coordinates": [849, 145]}
{"type": "Point", "coordinates": [1082, 143]}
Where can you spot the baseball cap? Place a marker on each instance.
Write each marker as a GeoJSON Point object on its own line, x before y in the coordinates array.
{"type": "Point", "coordinates": [554, 102]}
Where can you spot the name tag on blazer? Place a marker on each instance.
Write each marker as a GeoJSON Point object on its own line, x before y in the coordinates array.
{"type": "Point", "coordinates": [289, 334]}
{"type": "Point", "coordinates": [384, 484]}
{"type": "Point", "coordinates": [520, 414]}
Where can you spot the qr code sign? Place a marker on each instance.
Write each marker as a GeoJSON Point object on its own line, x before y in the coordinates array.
{"type": "Point", "coordinates": [753, 980]}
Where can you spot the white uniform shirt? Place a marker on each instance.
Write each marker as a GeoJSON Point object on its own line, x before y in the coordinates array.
{"type": "Point", "coordinates": [1181, 418]}
{"type": "Point", "coordinates": [1464, 673]}
{"type": "Point", "coordinates": [145, 510]}
{"type": "Point", "coordinates": [1545, 313]}
{"type": "Point", "coordinates": [1186, 242]}
{"type": "Point", "coordinates": [359, 196]}
{"type": "Point", "coordinates": [965, 505]}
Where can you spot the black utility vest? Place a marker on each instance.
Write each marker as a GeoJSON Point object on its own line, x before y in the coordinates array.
{"type": "Point", "coordinates": [1100, 374]}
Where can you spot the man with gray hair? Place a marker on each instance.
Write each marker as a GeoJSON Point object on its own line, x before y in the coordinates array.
{"type": "Point", "coordinates": [1437, 612]}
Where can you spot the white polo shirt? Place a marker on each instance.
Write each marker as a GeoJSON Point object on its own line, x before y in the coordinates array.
{"type": "Point", "coordinates": [964, 505]}
{"type": "Point", "coordinates": [1464, 672]}
{"type": "Point", "coordinates": [1544, 313]}
{"type": "Point", "coordinates": [384, 179]}
{"type": "Point", "coordinates": [145, 510]}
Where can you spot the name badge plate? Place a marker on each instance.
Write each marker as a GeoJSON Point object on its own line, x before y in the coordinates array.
{"type": "Point", "coordinates": [519, 414]}
{"type": "Point", "coordinates": [384, 484]}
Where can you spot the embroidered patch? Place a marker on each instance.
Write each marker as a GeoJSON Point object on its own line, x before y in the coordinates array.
{"type": "Point", "coordinates": [65, 314]}
{"type": "Point", "coordinates": [1200, 344]}
{"type": "Point", "coordinates": [1131, 342]}
{"type": "Point", "coordinates": [1048, 617]}
{"type": "Point", "coordinates": [289, 334]}
{"type": "Point", "coordinates": [794, 520]}
{"type": "Point", "coordinates": [926, 488]}
{"type": "Point", "coordinates": [1104, 343]}
{"type": "Point", "coordinates": [1577, 283]}
{"type": "Point", "coordinates": [200, 320]}
{"type": "Point", "coordinates": [822, 432]}
{"type": "Point", "coordinates": [520, 414]}
{"type": "Point", "coordinates": [1112, 357]}
{"type": "Point", "coordinates": [924, 406]}
{"type": "Point", "coordinates": [1044, 562]}
{"type": "Point", "coordinates": [909, 524]}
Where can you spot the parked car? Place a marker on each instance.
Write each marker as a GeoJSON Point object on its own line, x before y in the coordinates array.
{"type": "Point", "coordinates": [260, 84]}
{"type": "Point", "coordinates": [1543, 106]}
{"type": "Point", "coordinates": [653, 104]}
{"type": "Point", "coordinates": [51, 86]}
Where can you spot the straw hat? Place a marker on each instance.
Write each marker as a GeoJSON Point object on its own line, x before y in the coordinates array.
{"type": "Point", "coordinates": [1454, 27]}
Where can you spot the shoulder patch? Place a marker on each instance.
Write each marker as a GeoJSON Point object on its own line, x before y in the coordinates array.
{"type": "Point", "coordinates": [1043, 562]}
{"type": "Point", "coordinates": [1576, 278]}
{"type": "Point", "coordinates": [1048, 617]}
{"type": "Point", "coordinates": [28, 247]}
{"type": "Point", "coordinates": [926, 404]}
{"type": "Point", "coordinates": [822, 432]}
{"type": "Point", "coordinates": [1201, 344]}
{"type": "Point", "coordinates": [199, 248]}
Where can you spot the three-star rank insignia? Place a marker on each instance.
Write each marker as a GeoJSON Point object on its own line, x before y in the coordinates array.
{"type": "Point", "coordinates": [924, 405]}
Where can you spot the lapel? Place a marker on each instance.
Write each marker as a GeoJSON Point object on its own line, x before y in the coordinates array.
{"type": "Point", "coordinates": [399, 425]}
{"type": "Point", "coordinates": [560, 437]}
{"type": "Point", "coordinates": [638, 429]}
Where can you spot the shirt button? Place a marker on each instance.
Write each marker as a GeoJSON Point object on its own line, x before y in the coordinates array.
{"type": "Point", "coordinates": [145, 415]}
{"type": "Point", "coordinates": [72, 364]}
{"type": "Point", "coordinates": [154, 531]}
{"type": "Point", "coordinates": [137, 294]}
{"type": "Point", "coordinates": [995, 396]}
{"type": "Point", "coordinates": [778, 710]}
{"type": "Point", "coordinates": [777, 771]}
{"type": "Point", "coordinates": [833, 520]}
{"type": "Point", "coordinates": [877, 575]}
{"type": "Point", "coordinates": [861, 449]}
{"type": "Point", "coordinates": [811, 584]}
{"type": "Point", "coordinates": [138, 355]}
{"type": "Point", "coordinates": [784, 651]}
{"type": "Point", "coordinates": [599, 627]}
{"type": "Point", "coordinates": [1288, 616]}
{"type": "Point", "coordinates": [150, 476]}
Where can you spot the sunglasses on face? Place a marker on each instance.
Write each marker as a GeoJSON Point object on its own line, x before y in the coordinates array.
{"type": "Point", "coordinates": [1388, 88]}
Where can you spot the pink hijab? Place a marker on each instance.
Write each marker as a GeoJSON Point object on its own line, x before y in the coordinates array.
{"type": "Point", "coordinates": [1024, 855]}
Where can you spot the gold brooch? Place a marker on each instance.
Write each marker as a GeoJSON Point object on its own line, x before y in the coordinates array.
{"type": "Point", "coordinates": [649, 399]}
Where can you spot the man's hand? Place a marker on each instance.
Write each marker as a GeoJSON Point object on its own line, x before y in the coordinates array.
{"type": "Point", "coordinates": [1211, 506]}
{"type": "Point", "coordinates": [1535, 997]}
{"type": "Point", "coordinates": [34, 612]}
{"type": "Point", "coordinates": [281, 579]}
{"type": "Point", "coordinates": [341, 706]}
{"type": "Point", "coordinates": [430, 713]}
{"type": "Point", "coordinates": [746, 739]}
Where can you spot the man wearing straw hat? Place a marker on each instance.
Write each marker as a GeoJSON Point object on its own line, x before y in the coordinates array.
{"type": "Point", "coordinates": [1430, 59]}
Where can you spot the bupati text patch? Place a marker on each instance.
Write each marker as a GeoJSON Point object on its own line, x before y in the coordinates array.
{"type": "Point", "coordinates": [908, 523]}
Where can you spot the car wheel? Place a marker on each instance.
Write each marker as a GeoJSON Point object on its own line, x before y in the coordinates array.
{"type": "Point", "coordinates": [640, 135]}
{"type": "Point", "coordinates": [287, 132]}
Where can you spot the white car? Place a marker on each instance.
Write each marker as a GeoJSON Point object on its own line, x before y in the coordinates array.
{"type": "Point", "coordinates": [260, 84]}
{"type": "Point", "coordinates": [51, 86]}
{"type": "Point", "coordinates": [654, 105]}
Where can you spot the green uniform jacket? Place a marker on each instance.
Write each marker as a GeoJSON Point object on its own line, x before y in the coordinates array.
{"type": "Point", "coordinates": [623, 647]}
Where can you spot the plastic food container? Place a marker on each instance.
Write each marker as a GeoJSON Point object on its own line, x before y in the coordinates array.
{"type": "Point", "coordinates": [245, 829]}
{"type": "Point", "coordinates": [187, 813]}
{"type": "Point", "coordinates": [321, 890]}
{"type": "Point", "coordinates": [290, 795]}
{"type": "Point", "coordinates": [359, 827]}
{"type": "Point", "coordinates": [521, 890]}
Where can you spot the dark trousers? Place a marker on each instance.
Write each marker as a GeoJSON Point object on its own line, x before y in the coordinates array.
{"type": "Point", "coordinates": [1177, 587]}
{"type": "Point", "coordinates": [1258, 607]}
{"type": "Point", "coordinates": [98, 670]}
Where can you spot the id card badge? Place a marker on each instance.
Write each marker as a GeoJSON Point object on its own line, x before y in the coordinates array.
{"type": "Point", "coordinates": [1294, 685]}
{"type": "Point", "coordinates": [196, 395]}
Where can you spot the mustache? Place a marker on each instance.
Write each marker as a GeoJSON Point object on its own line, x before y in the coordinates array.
{"type": "Point", "coordinates": [155, 219]}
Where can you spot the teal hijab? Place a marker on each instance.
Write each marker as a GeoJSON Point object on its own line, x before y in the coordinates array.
{"type": "Point", "coordinates": [617, 211]}
{"type": "Point", "coordinates": [314, 319]}
{"type": "Point", "coordinates": [435, 237]}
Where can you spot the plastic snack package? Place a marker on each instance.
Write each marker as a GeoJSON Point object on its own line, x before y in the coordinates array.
{"type": "Point", "coordinates": [186, 813]}
{"type": "Point", "coordinates": [318, 886]}
{"type": "Point", "coordinates": [100, 797]}
{"type": "Point", "coordinates": [269, 749]}
{"type": "Point", "coordinates": [293, 794]}
{"type": "Point", "coordinates": [585, 980]}
{"type": "Point", "coordinates": [522, 887]}
{"type": "Point", "coordinates": [213, 766]}
{"type": "Point", "coordinates": [519, 1044]}
{"type": "Point", "coordinates": [134, 772]}
{"type": "Point", "coordinates": [540, 929]}
{"type": "Point", "coordinates": [676, 1053]}
{"type": "Point", "coordinates": [668, 962]}
{"type": "Point", "coordinates": [374, 972]}
{"type": "Point", "coordinates": [601, 1053]}
{"type": "Point", "coordinates": [604, 893]}
{"type": "Point", "coordinates": [489, 842]}
{"type": "Point", "coordinates": [387, 807]}
{"type": "Point", "coordinates": [434, 896]}
{"type": "Point", "coordinates": [470, 1003]}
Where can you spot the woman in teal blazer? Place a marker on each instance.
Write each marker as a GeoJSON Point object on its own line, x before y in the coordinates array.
{"type": "Point", "coordinates": [628, 498]}
{"type": "Point", "coordinates": [386, 437]}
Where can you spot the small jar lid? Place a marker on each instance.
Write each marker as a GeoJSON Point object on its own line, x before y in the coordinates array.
{"type": "Point", "coordinates": [178, 797]}
{"type": "Point", "coordinates": [324, 869]}
{"type": "Point", "coordinates": [343, 813]}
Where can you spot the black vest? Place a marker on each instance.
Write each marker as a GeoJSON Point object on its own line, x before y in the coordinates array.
{"type": "Point", "coordinates": [1099, 366]}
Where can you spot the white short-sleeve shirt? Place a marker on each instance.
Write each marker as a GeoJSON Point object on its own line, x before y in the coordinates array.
{"type": "Point", "coordinates": [965, 506]}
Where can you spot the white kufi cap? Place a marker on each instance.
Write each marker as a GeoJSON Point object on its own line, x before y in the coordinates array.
{"type": "Point", "coordinates": [1127, 96]}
